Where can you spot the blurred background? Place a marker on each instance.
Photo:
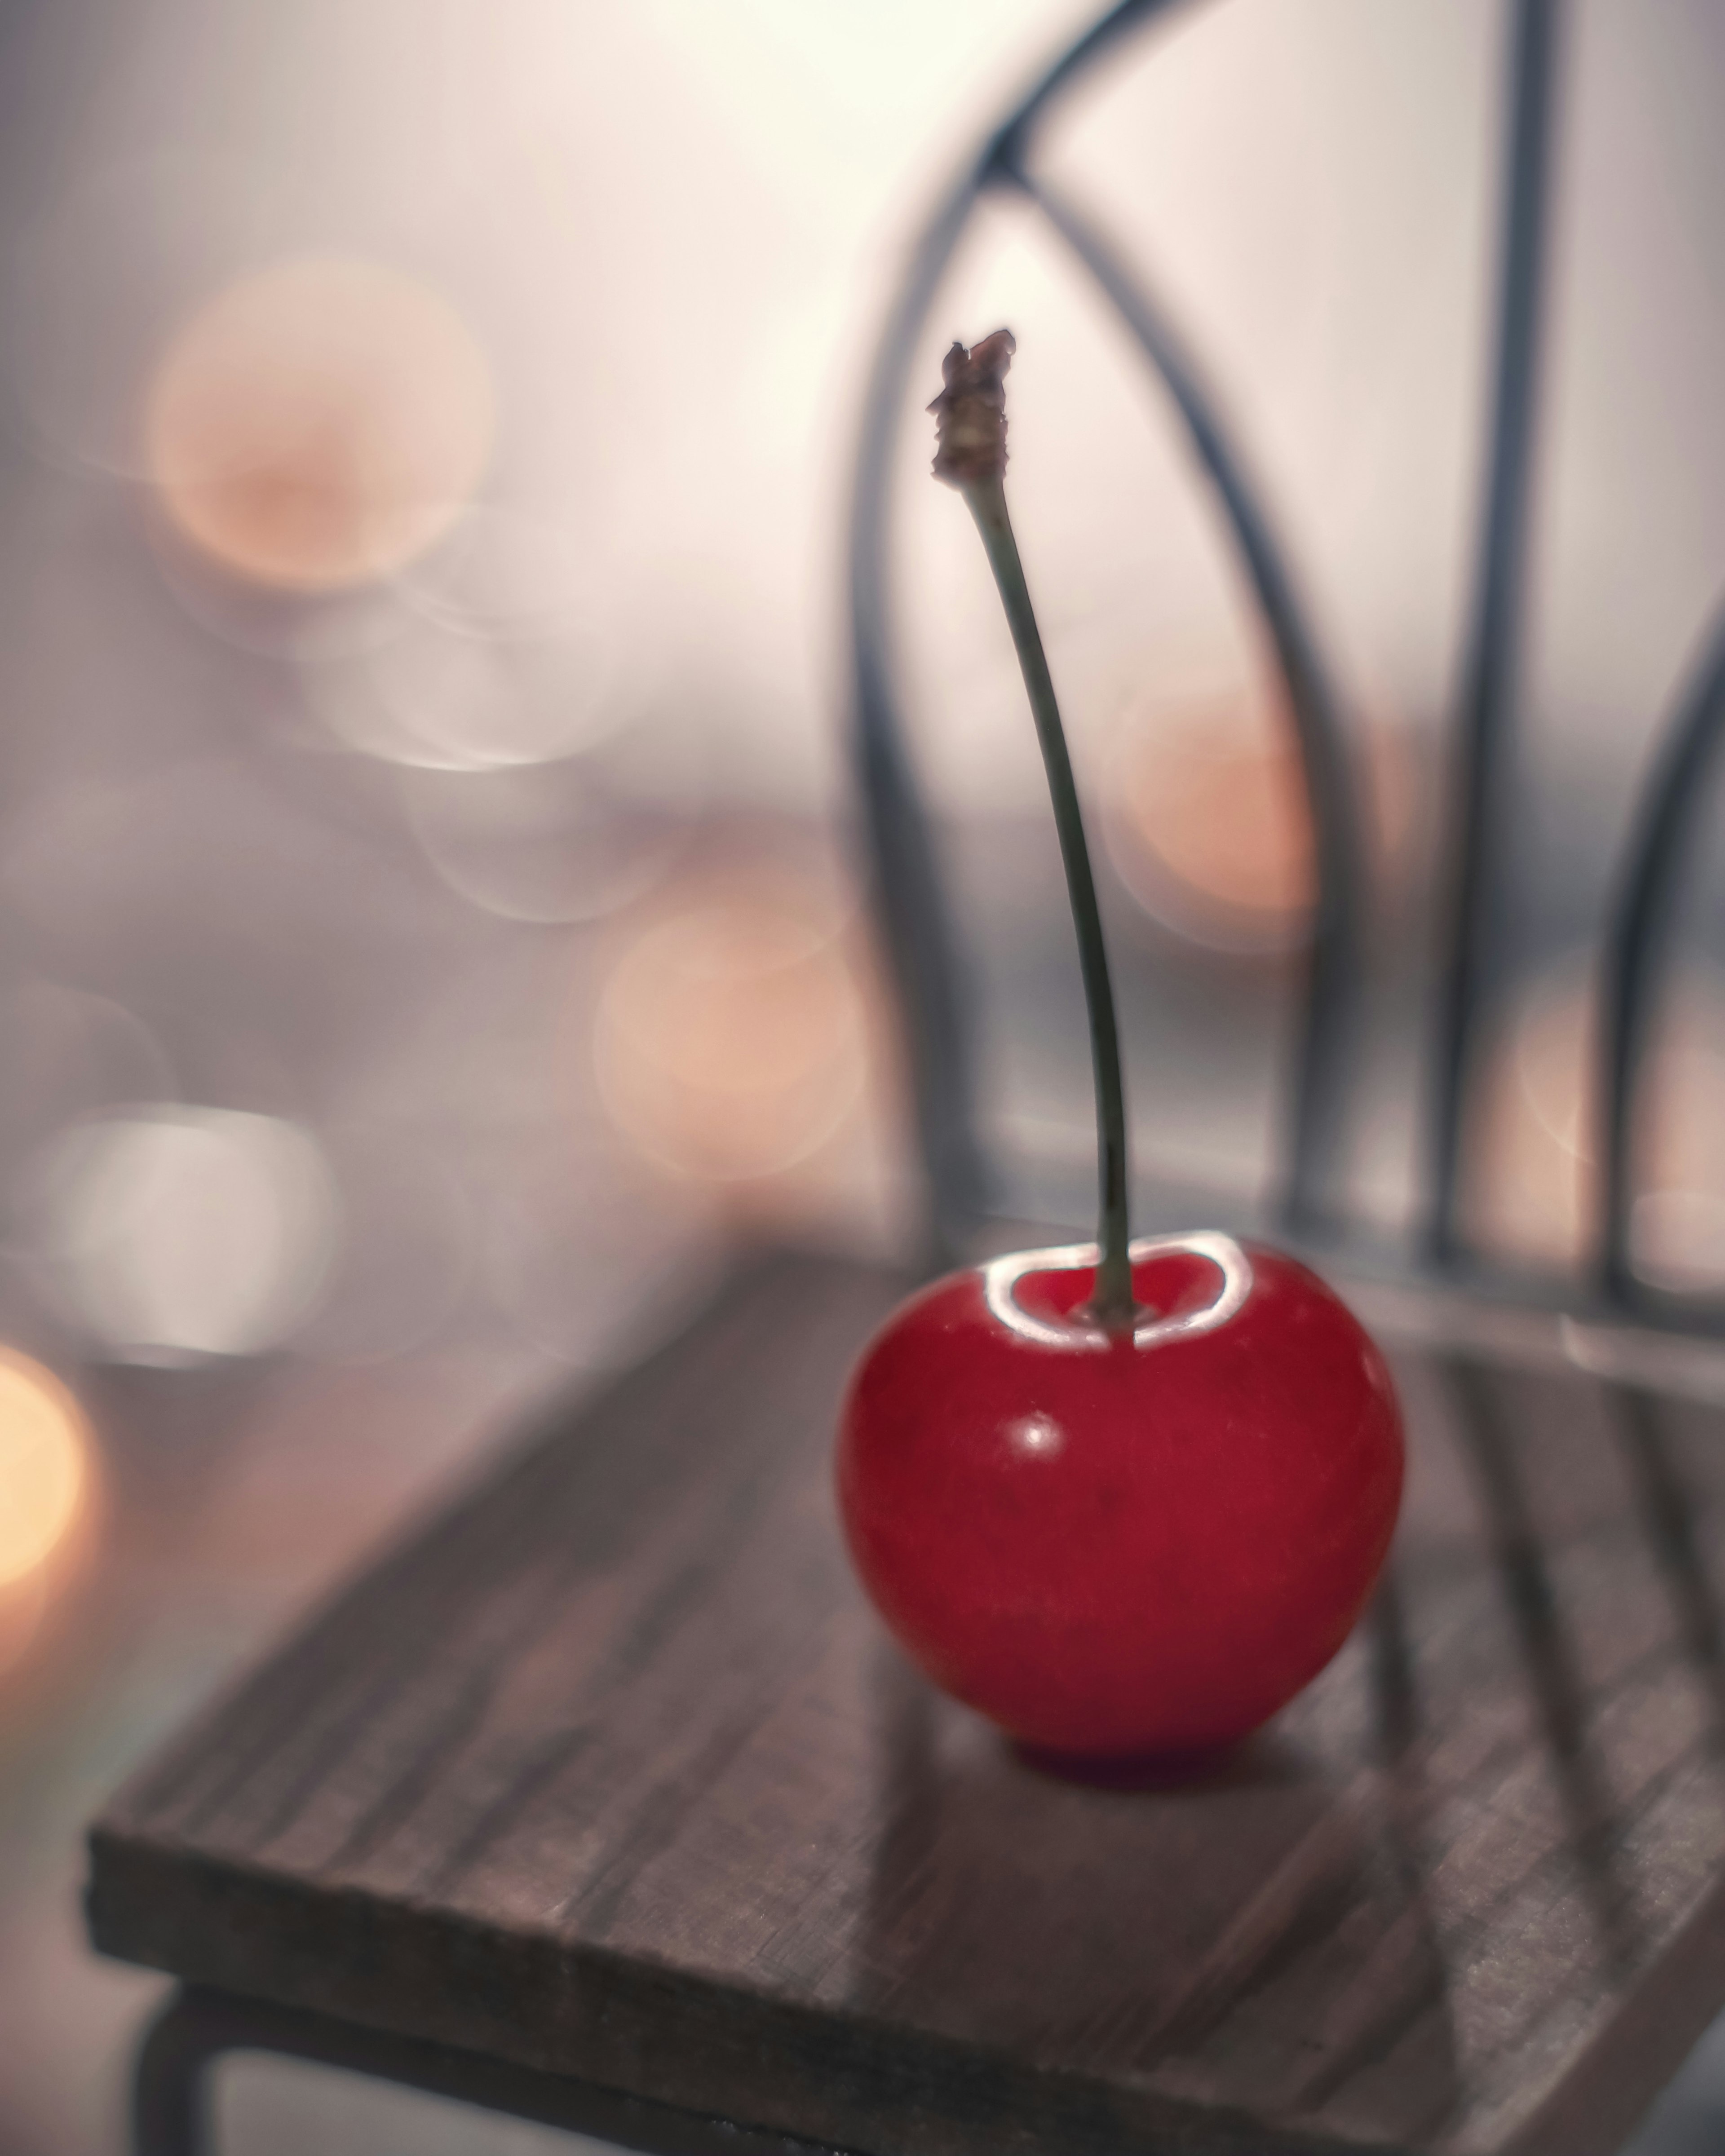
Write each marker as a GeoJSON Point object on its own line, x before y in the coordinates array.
{"type": "Point", "coordinates": [429, 923]}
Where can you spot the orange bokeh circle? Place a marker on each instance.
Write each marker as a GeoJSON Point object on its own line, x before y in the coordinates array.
{"type": "Point", "coordinates": [319, 422]}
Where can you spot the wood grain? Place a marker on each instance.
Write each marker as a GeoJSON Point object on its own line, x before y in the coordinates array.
{"type": "Point", "coordinates": [611, 1773]}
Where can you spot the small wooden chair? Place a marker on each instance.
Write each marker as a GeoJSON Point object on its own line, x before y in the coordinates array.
{"type": "Point", "coordinates": [604, 1801]}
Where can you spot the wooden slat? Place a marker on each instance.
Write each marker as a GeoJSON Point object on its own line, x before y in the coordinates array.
{"type": "Point", "coordinates": [612, 1772]}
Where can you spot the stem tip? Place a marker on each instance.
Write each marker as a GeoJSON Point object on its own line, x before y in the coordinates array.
{"type": "Point", "coordinates": [970, 413]}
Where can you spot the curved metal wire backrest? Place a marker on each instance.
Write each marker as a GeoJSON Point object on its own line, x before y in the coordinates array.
{"type": "Point", "coordinates": [910, 899]}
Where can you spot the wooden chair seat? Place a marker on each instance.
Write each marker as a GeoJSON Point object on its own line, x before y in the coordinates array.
{"type": "Point", "coordinates": [609, 1778]}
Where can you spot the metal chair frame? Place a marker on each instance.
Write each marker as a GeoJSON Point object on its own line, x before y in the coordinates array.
{"type": "Point", "coordinates": [920, 941]}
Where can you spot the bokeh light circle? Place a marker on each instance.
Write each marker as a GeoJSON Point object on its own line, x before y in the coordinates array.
{"type": "Point", "coordinates": [562, 842]}
{"type": "Point", "coordinates": [1532, 1188]}
{"type": "Point", "coordinates": [433, 700]}
{"type": "Point", "coordinates": [730, 1040]}
{"type": "Point", "coordinates": [173, 1232]}
{"type": "Point", "coordinates": [45, 1466]}
{"type": "Point", "coordinates": [1207, 821]}
{"type": "Point", "coordinates": [1207, 825]}
{"type": "Point", "coordinates": [319, 422]}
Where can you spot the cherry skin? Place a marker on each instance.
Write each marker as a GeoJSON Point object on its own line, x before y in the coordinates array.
{"type": "Point", "coordinates": [1127, 1544]}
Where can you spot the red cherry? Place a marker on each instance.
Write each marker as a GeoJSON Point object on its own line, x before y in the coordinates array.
{"type": "Point", "coordinates": [1123, 1545]}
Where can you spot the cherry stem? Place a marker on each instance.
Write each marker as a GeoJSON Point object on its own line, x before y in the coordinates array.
{"type": "Point", "coordinates": [1111, 1305]}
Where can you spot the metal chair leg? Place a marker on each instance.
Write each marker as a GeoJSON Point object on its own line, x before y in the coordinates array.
{"type": "Point", "coordinates": [170, 2091]}
{"type": "Point", "coordinates": [172, 2116]}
